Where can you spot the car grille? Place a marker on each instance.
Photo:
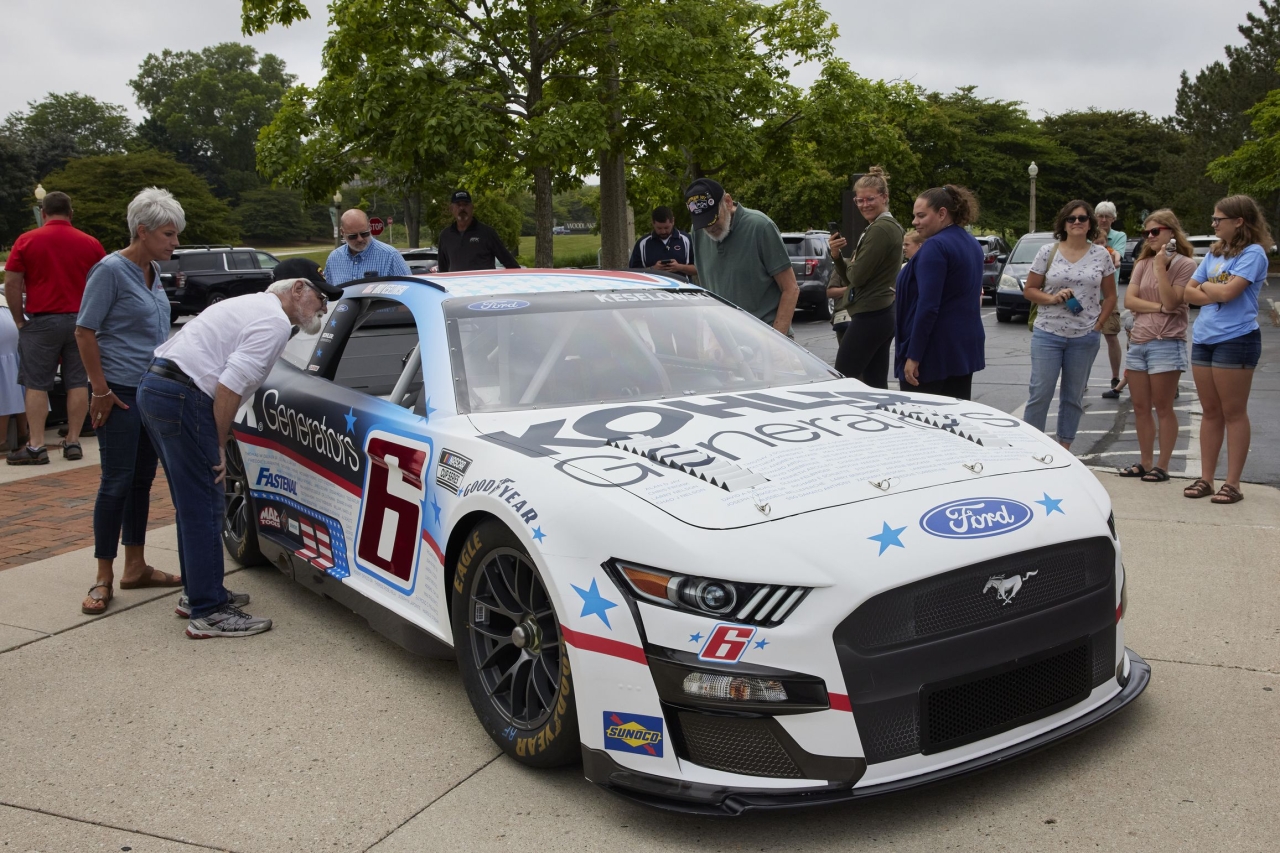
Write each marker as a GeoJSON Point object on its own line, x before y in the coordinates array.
{"type": "Point", "coordinates": [959, 601]}
{"type": "Point", "coordinates": [736, 745]}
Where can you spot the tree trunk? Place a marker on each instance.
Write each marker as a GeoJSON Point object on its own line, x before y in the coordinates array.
{"type": "Point", "coordinates": [615, 242]}
{"type": "Point", "coordinates": [413, 216]}
{"type": "Point", "coordinates": [543, 256]}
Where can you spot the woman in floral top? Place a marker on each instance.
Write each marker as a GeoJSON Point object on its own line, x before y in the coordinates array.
{"type": "Point", "coordinates": [1073, 282]}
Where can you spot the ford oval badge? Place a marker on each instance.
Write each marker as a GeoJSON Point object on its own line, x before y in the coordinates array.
{"type": "Point", "coordinates": [976, 518]}
{"type": "Point", "coordinates": [498, 305]}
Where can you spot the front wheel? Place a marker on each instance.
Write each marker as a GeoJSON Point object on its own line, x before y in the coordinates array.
{"type": "Point", "coordinates": [239, 528]}
{"type": "Point", "coordinates": [511, 654]}
{"type": "Point", "coordinates": [1003, 316]}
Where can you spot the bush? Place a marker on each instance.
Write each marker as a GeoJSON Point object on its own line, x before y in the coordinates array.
{"type": "Point", "coordinates": [273, 216]}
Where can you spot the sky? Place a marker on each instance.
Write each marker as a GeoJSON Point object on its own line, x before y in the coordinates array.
{"type": "Point", "coordinates": [1127, 54]}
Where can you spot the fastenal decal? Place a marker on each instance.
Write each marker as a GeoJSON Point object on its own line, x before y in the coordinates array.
{"type": "Point", "coordinates": [727, 642]}
{"type": "Point", "coordinates": [276, 481]}
{"type": "Point", "coordinates": [633, 733]}
{"type": "Point", "coordinates": [976, 518]}
{"type": "Point", "coordinates": [450, 470]}
{"type": "Point", "coordinates": [498, 305]}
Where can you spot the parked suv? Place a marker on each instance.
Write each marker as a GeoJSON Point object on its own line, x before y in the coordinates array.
{"type": "Point", "coordinates": [199, 276]}
{"type": "Point", "coordinates": [995, 251]}
{"type": "Point", "coordinates": [1013, 276]}
{"type": "Point", "coordinates": [812, 264]}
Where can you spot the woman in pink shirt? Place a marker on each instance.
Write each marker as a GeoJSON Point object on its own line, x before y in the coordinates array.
{"type": "Point", "coordinates": [1157, 354]}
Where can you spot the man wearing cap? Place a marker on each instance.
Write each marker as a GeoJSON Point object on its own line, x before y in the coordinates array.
{"type": "Point", "coordinates": [188, 397]}
{"type": "Point", "coordinates": [469, 244]}
{"type": "Point", "coordinates": [739, 254]}
{"type": "Point", "coordinates": [362, 256]}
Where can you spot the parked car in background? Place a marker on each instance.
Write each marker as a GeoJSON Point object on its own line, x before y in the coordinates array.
{"type": "Point", "coordinates": [1131, 249]}
{"type": "Point", "coordinates": [1201, 244]}
{"type": "Point", "coordinates": [422, 260]}
{"type": "Point", "coordinates": [812, 264]}
{"type": "Point", "coordinates": [199, 276]}
{"type": "Point", "coordinates": [995, 252]}
{"type": "Point", "coordinates": [1013, 276]}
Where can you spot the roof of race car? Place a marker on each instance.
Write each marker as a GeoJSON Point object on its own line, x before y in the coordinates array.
{"type": "Point", "coordinates": [496, 282]}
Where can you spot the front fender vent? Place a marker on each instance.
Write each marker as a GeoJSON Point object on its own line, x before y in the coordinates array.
{"type": "Point", "coordinates": [946, 423]}
{"type": "Point", "coordinates": [696, 463]}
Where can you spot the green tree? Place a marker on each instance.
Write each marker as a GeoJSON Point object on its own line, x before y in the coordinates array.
{"type": "Point", "coordinates": [102, 187]}
{"type": "Point", "coordinates": [207, 108]}
{"type": "Point", "coordinates": [62, 127]}
{"type": "Point", "coordinates": [272, 215]}
{"type": "Point", "coordinates": [16, 184]}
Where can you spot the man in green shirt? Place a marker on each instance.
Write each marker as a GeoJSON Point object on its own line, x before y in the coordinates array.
{"type": "Point", "coordinates": [740, 255]}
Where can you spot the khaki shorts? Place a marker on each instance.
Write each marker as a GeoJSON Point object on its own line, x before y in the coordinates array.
{"type": "Point", "coordinates": [1112, 324]}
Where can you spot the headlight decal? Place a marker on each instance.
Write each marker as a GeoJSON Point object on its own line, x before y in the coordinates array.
{"type": "Point", "coordinates": [765, 605]}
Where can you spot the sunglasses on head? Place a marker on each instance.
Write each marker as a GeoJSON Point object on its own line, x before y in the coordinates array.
{"type": "Point", "coordinates": [1077, 218]}
{"type": "Point", "coordinates": [1155, 232]}
{"type": "Point", "coordinates": [359, 235]}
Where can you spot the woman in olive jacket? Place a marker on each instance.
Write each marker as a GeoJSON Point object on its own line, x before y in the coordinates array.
{"type": "Point", "coordinates": [864, 348]}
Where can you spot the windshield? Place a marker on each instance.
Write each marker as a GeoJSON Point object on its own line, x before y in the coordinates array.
{"type": "Point", "coordinates": [1025, 251]}
{"type": "Point", "coordinates": [568, 349]}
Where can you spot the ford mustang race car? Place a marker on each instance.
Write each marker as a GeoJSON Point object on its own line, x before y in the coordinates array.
{"type": "Point", "coordinates": [663, 539]}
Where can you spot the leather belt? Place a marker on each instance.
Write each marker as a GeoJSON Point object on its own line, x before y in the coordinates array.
{"type": "Point", "coordinates": [167, 369]}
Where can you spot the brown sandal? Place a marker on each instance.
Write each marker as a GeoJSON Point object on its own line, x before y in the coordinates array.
{"type": "Point", "coordinates": [153, 577]}
{"type": "Point", "coordinates": [105, 599]}
{"type": "Point", "coordinates": [1228, 494]}
{"type": "Point", "coordinates": [1198, 489]}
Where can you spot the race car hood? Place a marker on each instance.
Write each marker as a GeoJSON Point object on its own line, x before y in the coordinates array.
{"type": "Point", "coordinates": [733, 460]}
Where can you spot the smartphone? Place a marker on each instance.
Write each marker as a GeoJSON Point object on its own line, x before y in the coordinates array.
{"type": "Point", "coordinates": [833, 227]}
{"type": "Point", "coordinates": [1073, 305]}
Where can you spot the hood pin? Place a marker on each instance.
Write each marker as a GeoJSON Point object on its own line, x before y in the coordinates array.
{"type": "Point", "coordinates": [1047, 459]}
{"type": "Point", "coordinates": [883, 485]}
{"type": "Point", "coordinates": [764, 508]}
{"type": "Point", "coordinates": [975, 468]}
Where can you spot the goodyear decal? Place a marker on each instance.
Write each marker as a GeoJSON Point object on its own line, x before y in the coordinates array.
{"type": "Point", "coordinates": [633, 733]}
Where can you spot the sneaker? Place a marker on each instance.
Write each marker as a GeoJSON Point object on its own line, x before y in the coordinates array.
{"type": "Point", "coordinates": [235, 599]}
{"type": "Point", "coordinates": [27, 455]}
{"type": "Point", "coordinates": [227, 622]}
{"type": "Point", "coordinates": [72, 450]}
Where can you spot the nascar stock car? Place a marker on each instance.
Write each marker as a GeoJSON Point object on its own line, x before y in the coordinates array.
{"type": "Point", "coordinates": [663, 539]}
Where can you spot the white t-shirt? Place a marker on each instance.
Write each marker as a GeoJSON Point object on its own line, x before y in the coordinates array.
{"type": "Point", "coordinates": [1084, 277]}
{"type": "Point", "coordinates": [235, 343]}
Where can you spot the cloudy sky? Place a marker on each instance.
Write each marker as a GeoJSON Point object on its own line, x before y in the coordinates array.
{"type": "Point", "coordinates": [1122, 54]}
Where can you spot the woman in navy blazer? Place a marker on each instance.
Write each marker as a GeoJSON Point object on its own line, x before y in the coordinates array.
{"type": "Point", "coordinates": [941, 341]}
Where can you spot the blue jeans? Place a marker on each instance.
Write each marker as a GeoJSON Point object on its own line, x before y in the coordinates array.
{"type": "Point", "coordinates": [1052, 355]}
{"type": "Point", "coordinates": [128, 468]}
{"type": "Point", "coordinates": [179, 419]}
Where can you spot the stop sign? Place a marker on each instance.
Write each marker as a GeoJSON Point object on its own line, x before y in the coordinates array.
{"type": "Point", "coordinates": [375, 226]}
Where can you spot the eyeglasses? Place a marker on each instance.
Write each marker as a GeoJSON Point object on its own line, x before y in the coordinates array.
{"type": "Point", "coordinates": [860, 201]}
{"type": "Point", "coordinates": [360, 235]}
{"type": "Point", "coordinates": [324, 300]}
{"type": "Point", "coordinates": [1155, 232]}
{"type": "Point", "coordinates": [1078, 218]}
{"type": "Point", "coordinates": [1216, 219]}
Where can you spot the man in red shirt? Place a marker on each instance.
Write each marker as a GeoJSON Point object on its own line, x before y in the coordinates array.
{"type": "Point", "coordinates": [50, 265]}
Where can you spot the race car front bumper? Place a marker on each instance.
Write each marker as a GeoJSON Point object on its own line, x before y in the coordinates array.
{"type": "Point", "coordinates": [699, 798]}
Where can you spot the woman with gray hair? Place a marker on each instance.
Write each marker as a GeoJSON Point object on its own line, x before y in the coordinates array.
{"type": "Point", "coordinates": [123, 317]}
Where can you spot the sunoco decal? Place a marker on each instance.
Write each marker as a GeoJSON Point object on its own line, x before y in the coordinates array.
{"type": "Point", "coordinates": [976, 518]}
{"type": "Point", "coordinates": [633, 733]}
{"type": "Point", "coordinates": [450, 470]}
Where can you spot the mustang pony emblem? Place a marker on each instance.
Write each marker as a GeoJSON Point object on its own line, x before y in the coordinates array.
{"type": "Point", "coordinates": [1007, 588]}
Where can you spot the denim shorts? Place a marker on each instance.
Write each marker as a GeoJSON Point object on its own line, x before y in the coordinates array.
{"type": "Point", "coordinates": [1158, 356]}
{"type": "Point", "coordinates": [1240, 353]}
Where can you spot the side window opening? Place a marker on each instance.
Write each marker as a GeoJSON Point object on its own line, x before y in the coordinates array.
{"type": "Point", "coordinates": [380, 356]}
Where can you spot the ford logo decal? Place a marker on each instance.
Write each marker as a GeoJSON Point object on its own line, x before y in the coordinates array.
{"type": "Point", "coordinates": [976, 518]}
{"type": "Point", "coordinates": [498, 305]}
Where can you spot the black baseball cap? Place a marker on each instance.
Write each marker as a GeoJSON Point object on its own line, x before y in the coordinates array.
{"type": "Point", "coordinates": [703, 199]}
{"type": "Point", "coordinates": [459, 196]}
{"type": "Point", "coordinates": [308, 269]}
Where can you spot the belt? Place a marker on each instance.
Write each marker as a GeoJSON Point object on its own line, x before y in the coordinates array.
{"type": "Point", "coordinates": [168, 370]}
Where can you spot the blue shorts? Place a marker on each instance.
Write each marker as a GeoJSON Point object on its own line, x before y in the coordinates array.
{"type": "Point", "coordinates": [1158, 356]}
{"type": "Point", "coordinates": [1240, 353]}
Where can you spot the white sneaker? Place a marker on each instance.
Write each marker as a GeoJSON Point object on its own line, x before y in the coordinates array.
{"type": "Point", "coordinates": [227, 622]}
{"type": "Point", "coordinates": [235, 599]}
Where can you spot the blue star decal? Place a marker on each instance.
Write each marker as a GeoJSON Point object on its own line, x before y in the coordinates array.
{"type": "Point", "coordinates": [333, 324]}
{"type": "Point", "coordinates": [593, 603]}
{"type": "Point", "coordinates": [351, 419]}
{"type": "Point", "coordinates": [695, 638]}
{"type": "Point", "coordinates": [761, 643]}
{"type": "Point", "coordinates": [538, 535]}
{"type": "Point", "coordinates": [319, 353]}
{"type": "Point", "coordinates": [888, 536]}
{"type": "Point", "coordinates": [1051, 505]}
{"type": "Point", "coordinates": [435, 507]}
{"type": "Point", "coordinates": [427, 416]}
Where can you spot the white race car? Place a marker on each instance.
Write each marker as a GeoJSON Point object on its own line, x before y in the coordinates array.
{"type": "Point", "coordinates": [665, 540]}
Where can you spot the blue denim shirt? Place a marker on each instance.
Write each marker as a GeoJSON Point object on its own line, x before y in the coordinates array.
{"type": "Point", "coordinates": [342, 267]}
{"type": "Point", "coordinates": [130, 319]}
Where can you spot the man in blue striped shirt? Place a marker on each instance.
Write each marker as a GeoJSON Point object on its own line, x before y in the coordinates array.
{"type": "Point", "coordinates": [362, 256]}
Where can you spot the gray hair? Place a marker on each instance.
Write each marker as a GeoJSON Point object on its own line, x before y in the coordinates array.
{"type": "Point", "coordinates": [284, 285]}
{"type": "Point", "coordinates": [155, 208]}
{"type": "Point", "coordinates": [1105, 208]}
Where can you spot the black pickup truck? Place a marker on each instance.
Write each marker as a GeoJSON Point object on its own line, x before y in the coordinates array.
{"type": "Point", "coordinates": [199, 276]}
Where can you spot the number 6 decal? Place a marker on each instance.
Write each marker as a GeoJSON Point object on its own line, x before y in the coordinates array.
{"type": "Point", "coordinates": [389, 533]}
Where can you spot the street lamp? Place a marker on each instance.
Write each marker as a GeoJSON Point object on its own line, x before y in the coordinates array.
{"type": "Point", "coordinates": [38, 210]}
{"type": "Point", "coordinates": [1033, 170]}
{"type": "Point", "coordinates": [333, 214]}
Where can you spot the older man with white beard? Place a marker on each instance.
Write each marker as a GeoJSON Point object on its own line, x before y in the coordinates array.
{"type": "Point", "coordinates": [188, 398]}
{"type": "Point", "coordinates": [740, 255]}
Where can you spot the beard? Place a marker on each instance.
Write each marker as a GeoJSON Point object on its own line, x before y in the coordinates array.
{"type": "Point", "coordinates": [313, 324]}
{"type": "Point", "coordinates": [719, 229]}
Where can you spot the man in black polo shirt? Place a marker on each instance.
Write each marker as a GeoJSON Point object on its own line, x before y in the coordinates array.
{"type": "Point", "coordinates": [469, 244]}
{"type": "Point", "coordinates": [667, 249]}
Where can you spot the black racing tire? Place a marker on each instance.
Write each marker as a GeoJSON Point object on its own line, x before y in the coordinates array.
{"type": "Point", "coordinates": [1003, 316]}
{"type": "Point", "coordinates": [239, 522]}
{"type": "Point", "coordinates": [523, 694]}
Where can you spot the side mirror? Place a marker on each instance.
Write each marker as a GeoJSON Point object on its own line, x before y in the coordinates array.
{"type": "Point", "coordinates": [1000, 259]}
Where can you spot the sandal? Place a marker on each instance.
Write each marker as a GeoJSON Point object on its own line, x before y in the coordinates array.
{"type": "Point", "coordinates": [1228, 494]}
{"type": "Point", "coordinates": [1199, 489]}
{"type": "Point", "coordinates": [1155, 475]}
{"type": "Point", "coordinates": [1135, 470]}
{"type": "Point", "coordinates": [153, 577]}
{"type": "Point", "coordinates": [105, 599]}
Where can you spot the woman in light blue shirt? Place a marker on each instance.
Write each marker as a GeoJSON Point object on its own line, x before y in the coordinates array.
{"type": "Point", "coordinates": [1226, 342]}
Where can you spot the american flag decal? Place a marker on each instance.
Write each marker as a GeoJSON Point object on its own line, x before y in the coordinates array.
{"type": "Point", "coordinates": [316, 547]}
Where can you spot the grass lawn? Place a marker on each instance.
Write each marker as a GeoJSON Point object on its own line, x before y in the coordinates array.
{"type": "Point", "coordinates": [567, 249]}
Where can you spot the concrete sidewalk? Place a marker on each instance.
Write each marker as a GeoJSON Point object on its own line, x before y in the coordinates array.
{"type": "Point", "coordinates": [116, 732]}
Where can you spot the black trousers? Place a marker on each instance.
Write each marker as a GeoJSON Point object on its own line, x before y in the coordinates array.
{"type": "Point", "coordinates": [960, 387]}
{"type": "Point", "coordinates": [864, 348]}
